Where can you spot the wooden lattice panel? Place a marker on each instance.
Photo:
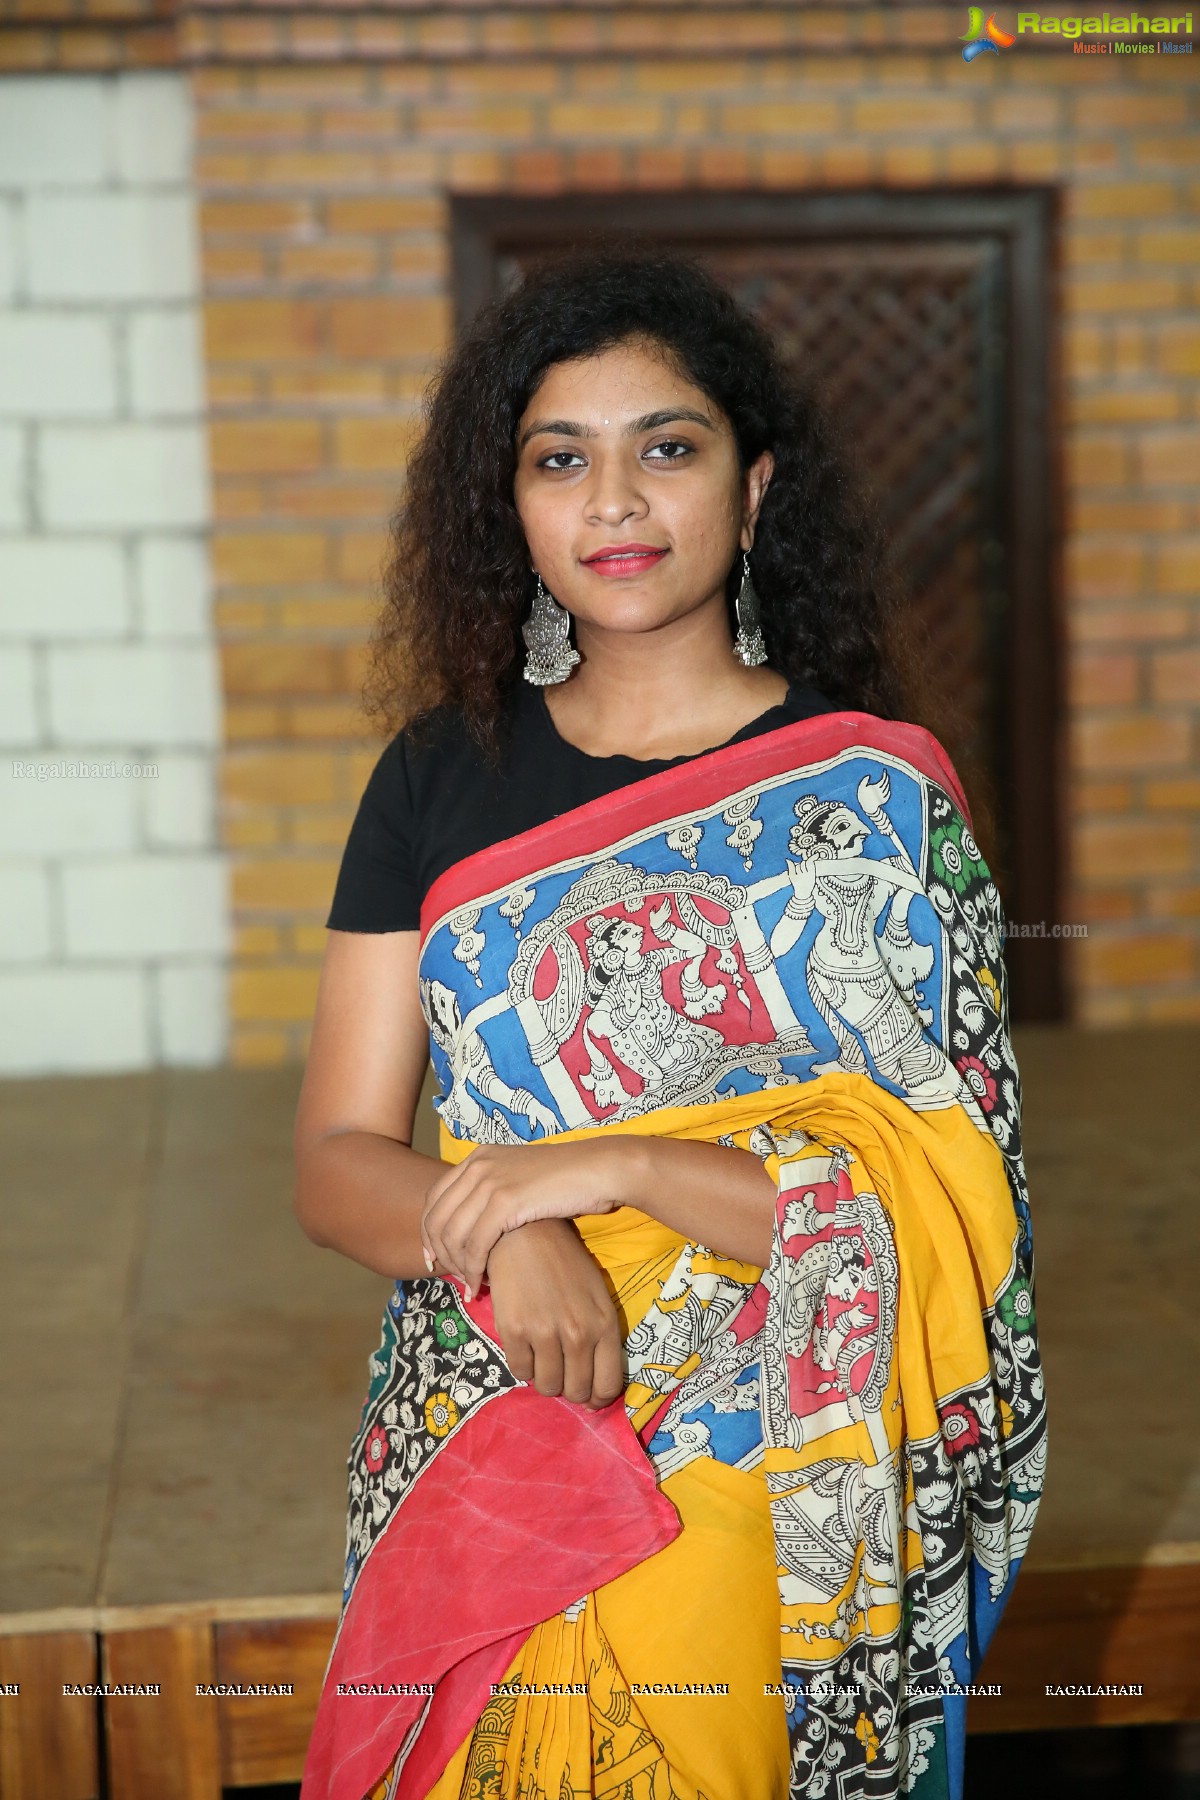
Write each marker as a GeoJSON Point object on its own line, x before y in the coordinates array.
{"type": "Point", "coordinates": [899, 343]}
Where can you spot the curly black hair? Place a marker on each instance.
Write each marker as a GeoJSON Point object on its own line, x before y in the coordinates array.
{"type": "Point", "coordinates": [457, 583]}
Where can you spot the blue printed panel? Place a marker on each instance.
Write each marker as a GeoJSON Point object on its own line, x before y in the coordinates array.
{"type": "Point", "coordinates": [784, 932]}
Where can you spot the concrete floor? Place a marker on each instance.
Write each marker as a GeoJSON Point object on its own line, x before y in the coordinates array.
{"type": "Point", "coordinates": [185, 1368]}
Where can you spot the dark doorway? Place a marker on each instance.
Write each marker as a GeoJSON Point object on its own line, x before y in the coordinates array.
{"type": "Point", "coordinates": [922, 322]}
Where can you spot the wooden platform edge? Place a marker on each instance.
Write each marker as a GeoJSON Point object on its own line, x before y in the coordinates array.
{"type": "Point", "coordinates": [1098, 1646]}
{"type": "Point", "coordinates": [49, 1740]}
{"type": "Point", "coordinates": [1090, 1645]}
{"type": "Point", "coordinates": [105, 1619]}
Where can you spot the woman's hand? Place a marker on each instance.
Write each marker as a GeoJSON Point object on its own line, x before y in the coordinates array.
{"type": "Point", "coordinates": [500, 1186]}
{"type": "Point", "coordinates": [555, 1315]}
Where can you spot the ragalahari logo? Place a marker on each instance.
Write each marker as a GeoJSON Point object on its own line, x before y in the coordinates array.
{"type": "Point", "coordinates": [979, 37]}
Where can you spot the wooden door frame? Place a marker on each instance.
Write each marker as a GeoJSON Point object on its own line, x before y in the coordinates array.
{"type": "Point", "coordinates": [483, 227]}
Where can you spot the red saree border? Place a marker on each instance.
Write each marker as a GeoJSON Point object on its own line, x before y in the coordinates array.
{"type": "Point", "coordinates": [534, 1502]}
{"type": "Point", "coordinates": [702, 781]}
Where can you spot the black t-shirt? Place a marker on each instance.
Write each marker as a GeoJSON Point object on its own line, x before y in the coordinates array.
{"type": "Point", "coordinates": [426, 806]}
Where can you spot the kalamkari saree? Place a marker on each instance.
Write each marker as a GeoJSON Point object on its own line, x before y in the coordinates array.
{"type": "Point", "coordinates": [771, 1570]}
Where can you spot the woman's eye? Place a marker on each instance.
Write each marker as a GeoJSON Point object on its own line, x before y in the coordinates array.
{"type": "Point", "coordinates": [673, 450]}
{"type": "Point", "coordinates": [560, 459]}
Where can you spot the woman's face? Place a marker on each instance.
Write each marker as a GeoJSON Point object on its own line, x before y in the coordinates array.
{"type": "Point", "coordinates": [629, 491]}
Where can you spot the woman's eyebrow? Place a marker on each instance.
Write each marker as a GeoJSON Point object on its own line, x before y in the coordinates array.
{"type": "Point", "coordinates": [553, 428]}
{"type": "Point", "coordinates": [667, 415]}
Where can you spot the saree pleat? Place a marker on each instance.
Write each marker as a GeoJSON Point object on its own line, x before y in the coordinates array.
{"type": "Point", "coordinates": [664, 1624]}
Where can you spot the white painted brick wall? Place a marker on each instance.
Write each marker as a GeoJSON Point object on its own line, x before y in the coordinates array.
{"type": "Point", "coordinates": [110, 246]}
{"type": "Point", "coordinates": [19, 695]}
{"type": "Point", "coordinates": [114, 903]}
{"type": "Point", "coordinates": [25, 912]}
{"type": "Point", "coordinates": [166, 363]}
{"type": "Point", "coordinates": [144, 694]}
{"type": "Point", "coordinates": [171, 583]}
{"type": "Point", "coordinates": [56, 817]}
{"type": "Point", "coordinates": [57, 130]}
{"type": "Point", "coordinates": [14, 464]}
{"type": "Point", "coordinates": [75, 1021]}
{"type": "Point", "coordinates": [8, 252]}
{"type": "Point", "coordinates": [60, 587]}
{"type": "Point", "coordinates": [178, 808]}
{"type": "Point", "coordinates": [124, 477]}
{"type": "Point", "coordinates": [191, 1011]}
{"type": "Point", "coordinates": [56, 365]}
{"type": "Point", "coordinates": [117, 908]}
{"type": "Point", "coordinates": [152, 132]}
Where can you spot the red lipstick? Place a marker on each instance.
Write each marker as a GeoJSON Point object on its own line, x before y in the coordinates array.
{"type": "Point", "coordinates": [625, 559]}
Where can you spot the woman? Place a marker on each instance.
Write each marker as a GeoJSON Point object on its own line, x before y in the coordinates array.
{"type": "Point", "coordinates": [706, 1431]}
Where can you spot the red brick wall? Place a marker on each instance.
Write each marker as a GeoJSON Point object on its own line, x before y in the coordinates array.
{"type": "Point", "coordinates": [327, 145]}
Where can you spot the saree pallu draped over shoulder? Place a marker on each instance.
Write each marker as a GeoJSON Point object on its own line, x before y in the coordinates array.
{"type": "Point", "coordinates": [771, 1571]}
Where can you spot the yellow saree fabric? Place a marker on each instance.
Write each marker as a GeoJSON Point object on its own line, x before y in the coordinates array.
{"type": "Point", "coordinates": [707, 1608]}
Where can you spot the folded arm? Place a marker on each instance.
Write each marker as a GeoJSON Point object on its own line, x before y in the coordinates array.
{"type": "Point", "coordinates": [361, 1189]}
{"type": "Point", "coordinates": [712, 1194]}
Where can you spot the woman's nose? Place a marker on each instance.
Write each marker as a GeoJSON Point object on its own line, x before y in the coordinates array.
{"type": "Point", "coordinates": [614, 494]}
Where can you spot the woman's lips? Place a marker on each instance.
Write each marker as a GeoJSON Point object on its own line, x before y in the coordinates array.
{"type": "Point", "coordinates": [625, 559]}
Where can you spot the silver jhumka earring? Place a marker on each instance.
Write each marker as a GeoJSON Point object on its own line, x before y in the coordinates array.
{"type": "Point", "coordinates": [546, 631]}
{"type": "Point", "coordinates": [748, 646]}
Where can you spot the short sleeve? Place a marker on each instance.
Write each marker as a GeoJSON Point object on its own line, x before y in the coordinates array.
{"type": "Point", "coordinates": [377, 887]}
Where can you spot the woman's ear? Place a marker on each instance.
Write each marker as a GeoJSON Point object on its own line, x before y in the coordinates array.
{"type": "Point", "coordinates": [755, 483]}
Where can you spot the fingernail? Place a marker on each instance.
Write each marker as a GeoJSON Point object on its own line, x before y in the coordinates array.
{"type": "Point", "coordinates": [466, 1293]}
{"type": "Point", "coordinates": [428, 1259]}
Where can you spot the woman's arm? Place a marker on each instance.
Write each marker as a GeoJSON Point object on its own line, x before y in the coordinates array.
{"type": "Point", "coordinates": [362, 1189]}
{"type": "Point", "coordinates": [711, 1193]}
{"type": "Point", "coordinates": [360, 1186]}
